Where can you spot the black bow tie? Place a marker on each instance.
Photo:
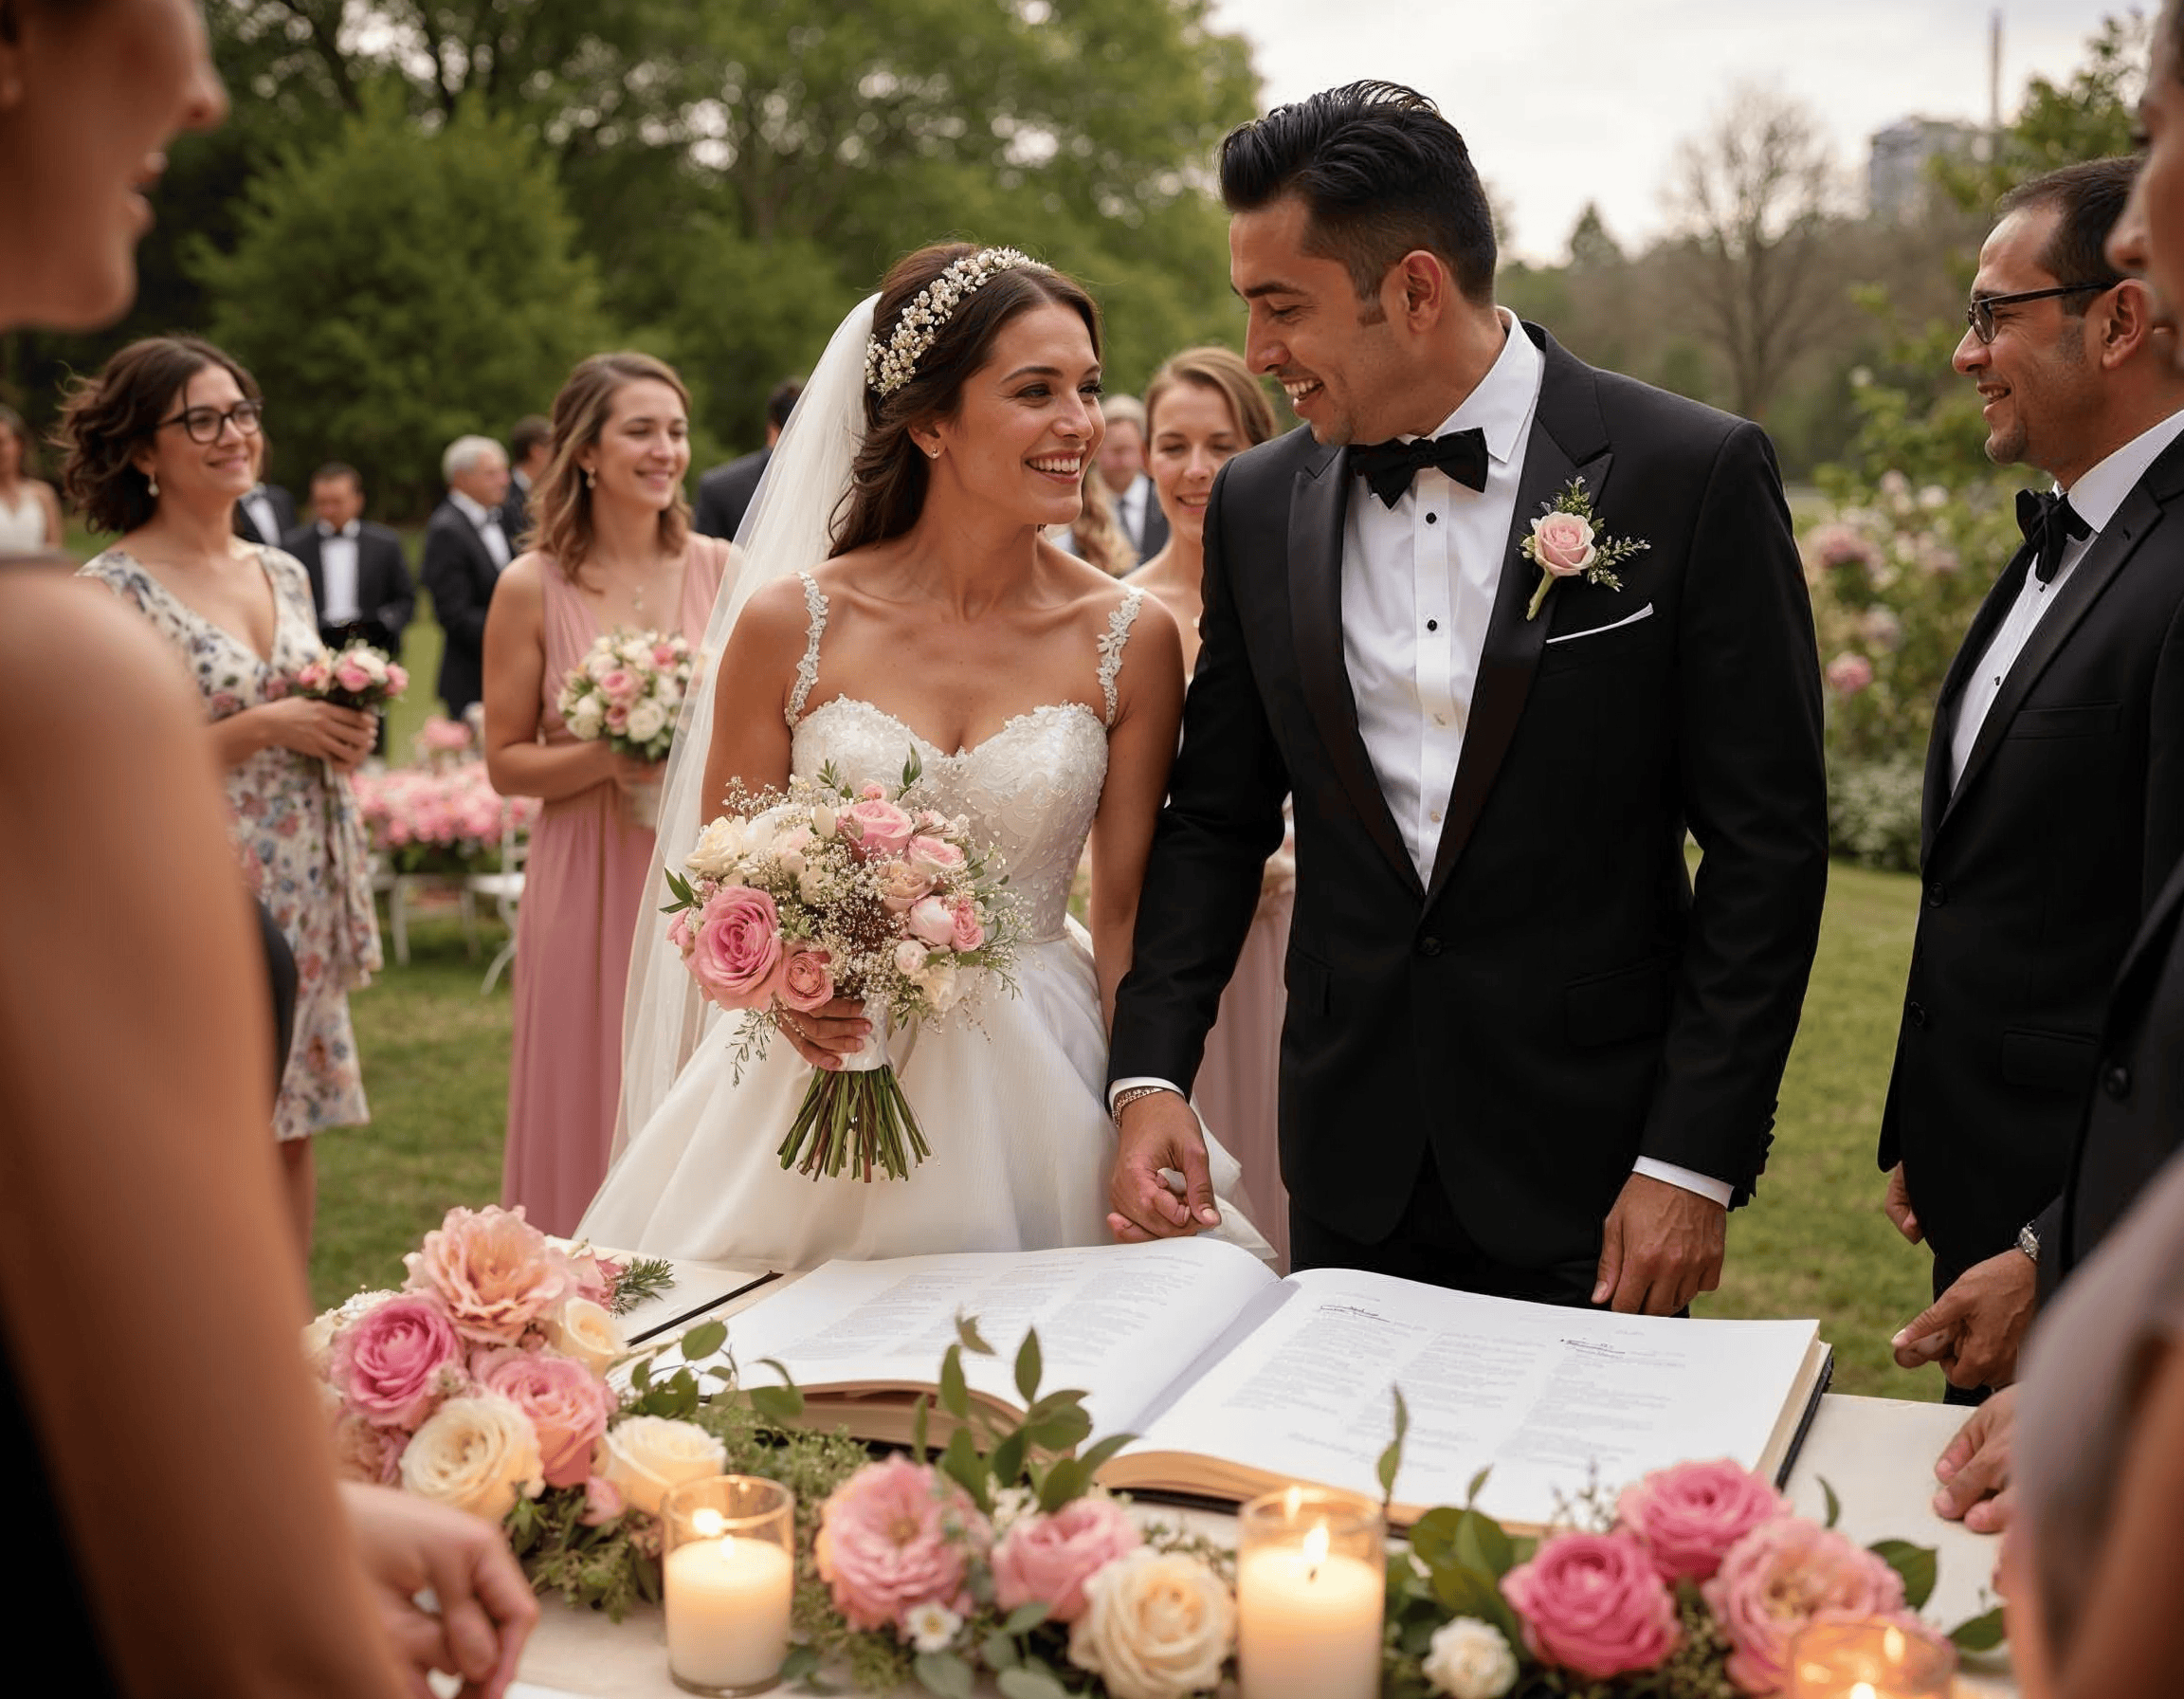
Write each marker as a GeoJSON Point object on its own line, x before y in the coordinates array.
{"type": "Point", "coordinates": [1389, 466]}
{"type": "Point", "coordinates": [2049, 520]}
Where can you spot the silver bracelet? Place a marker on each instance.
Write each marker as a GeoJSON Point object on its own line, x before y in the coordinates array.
{"type": "Point", "coordinates": [2028, 1241]}
{"type": "Point", "coordinates": [1125, 1098]}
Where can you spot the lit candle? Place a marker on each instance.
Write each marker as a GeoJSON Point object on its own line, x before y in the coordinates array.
{"type": "Point", "coordinates": [1868, 1660]}
{"type": "Point", "coordinates": [1309, 1619]}
{"type": "Point", "coordinates": [727, 1607]}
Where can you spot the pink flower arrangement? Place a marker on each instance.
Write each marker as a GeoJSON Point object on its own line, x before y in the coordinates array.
{"type": "Point", "coordinates": [1596, 1604]}
{"type": "Point", "coordinates": [446, 818]}
{"type": "Point", "coordinates": [1046, 1560]}
{"type": "Point", "coordinates": [1689, 1516]}
{"type": "Point", "coordinates": [1836, 544]}
{"type": "Point", "coordinates": [736, 950]}
{"type": "Point", "coordinates": [358, 677]}
{"type": "Point", "coordinates": [388, 1365]}
{"type": "Point", "coordinates": [492, 1271]}
{"type": "Point", "coordinates": [1783, 1574]}
{"type": "Point", "coordinates": [567, 1405]}
{"type": "Point", "coordinates": [895, 1536]}
{"type": "Point", "coordinates": [629, 690]}
{"type": "Point", "coordinates": [1848, 673]}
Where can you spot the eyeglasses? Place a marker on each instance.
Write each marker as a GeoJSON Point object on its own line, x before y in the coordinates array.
{"type": "Point", "coordinates": [204, 424]}
{"type": "Point", "coordinates": [1980, 314]}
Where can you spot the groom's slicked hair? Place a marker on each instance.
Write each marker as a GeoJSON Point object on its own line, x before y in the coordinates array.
{"type": "Point", "coordinates": [1381, 173]}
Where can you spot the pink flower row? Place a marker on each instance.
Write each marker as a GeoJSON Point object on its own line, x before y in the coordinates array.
{"type": "Point", "coordinates": [453, 808]}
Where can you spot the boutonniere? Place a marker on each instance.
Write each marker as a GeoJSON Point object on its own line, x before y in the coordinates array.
{"type": "Point", "coordinates": [1565, 544]}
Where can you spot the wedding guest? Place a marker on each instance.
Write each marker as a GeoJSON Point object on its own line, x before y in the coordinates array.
{"type": "Point", "coordinates": [360, 576]}
{"type": "Point", "coordinates": [162, 446]}
{"type": "Point", "coordinates": [530, 445]}
{"type": "Point", "coordinates": [615, 550]}
{"type": "Point", "coordinates": [266, 513]}
{"type": "Point", "coordinates": [2054, 802]}
{"type": "Point", "coordinates": [1122, 469]}
{"type": "Point", "coordinates": [724, 493]}
{"type": "Point", "coordinates": [30, 512]}
{"type": "Point", "coordinates": [1096, 536]}
{"type": "Point", "coordinates": [1202, 409]}
{"type": "Point", "coordinates": [250, 1588]}
{"type": "Point", "coordinates": [467, 549]}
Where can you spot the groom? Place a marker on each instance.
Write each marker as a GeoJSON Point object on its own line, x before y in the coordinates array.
{"type": "Point", "coordinates": [1524, 1055]}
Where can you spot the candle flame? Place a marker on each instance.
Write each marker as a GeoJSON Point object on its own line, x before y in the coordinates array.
{"type": "Point", "coordinates": [708, 1522]}
{"type": "Point", "coordinates": [1293, 1500]}
{"type": "Point", "coordinates": [1315, 1547]}
{"type": "Point", "coordinates": [1892, 1644]}
{"type": "Point", "coordinates": [1862, 1689]}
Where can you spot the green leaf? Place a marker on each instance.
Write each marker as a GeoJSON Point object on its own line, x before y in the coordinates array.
{"type": "Point", "coordinates": [1920, 1566]}
{"type": "Point", "coordinates": [780, 1405]}
{"type": "Point", "coordinates": [1834, 1504]}
{"type": "Point", "coordinates": [1477, 1486]}
{"type": "Point", "coordinates": [1066, 1480]}
{"type": "Point", "coordinates": [1024, 1618]}
{"type": "Point", "coordinates": [1433, 1536]}
{"type": "Point", "coordinates": [1028, 1367]}
{"type": "Point", "coordinates": [1097, 1454]}
{"type": "Point", "coordinates": [954, 1392]}
{"type": "Point", "coordinates": [787, 1387]}
{"type": "Point", "coordinates": [943, 1673]}
{"type": "Point", "coordinates": [641, 1376]}
{"type": "Point", "coordinates": [1391, 1459]}
{"type": "Point", "coordinates": [801, 1662]}
{"type": "Point", "coordinates": [1465, 1591]}
{"type": "Point", "coordinates": [703, 1340]}
{"type": "Point", "coordinates": [962, 1462]}
{"type": "Point", "coordinates": [1481, 1544]}
{"type": "Point", "coordinates": [1030, 1684]}
{"type": "Point", "coordinates": [1979, 1634]}
{"type": "Point", "coordinates": [1008, 1460]}
{"type": "Point", "coordinates": [1060, 1432]}
{"type": "Point", "coordinates": [998, 1652]}
{"type": "Point", "coordinates": [967, 1332]}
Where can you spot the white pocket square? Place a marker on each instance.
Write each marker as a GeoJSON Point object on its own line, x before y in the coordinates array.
{"type": "Point", "coordinates": [1645, 613]}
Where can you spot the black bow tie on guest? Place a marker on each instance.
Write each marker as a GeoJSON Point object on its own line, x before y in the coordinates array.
{"type": "Point", "coordinates": [1389, 466]}
{"type": "Point", "coordinates": [2048, 518]}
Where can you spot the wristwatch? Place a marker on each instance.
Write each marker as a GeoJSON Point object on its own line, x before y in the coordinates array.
{"type": "Point", "coordinates": [2028, 1241]}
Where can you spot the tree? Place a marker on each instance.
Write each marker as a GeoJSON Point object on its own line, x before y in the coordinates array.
{"type": "Point", "coordinates": [1592, 248]}
{"type": "Point", "coordinates": [1751, 199]}
{"type": "Point", "coordinates": [399, 289]}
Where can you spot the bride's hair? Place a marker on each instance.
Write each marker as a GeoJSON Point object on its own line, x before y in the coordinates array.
{"type": "Point", "coordinates": [888, 481]}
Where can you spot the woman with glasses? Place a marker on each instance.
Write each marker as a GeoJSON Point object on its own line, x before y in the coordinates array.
{"type": "Point", "coordinates": [162, 446]}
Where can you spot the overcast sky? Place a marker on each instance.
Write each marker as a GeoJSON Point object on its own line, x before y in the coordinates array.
{"type": "Point", "coordinates": [1567, 100]}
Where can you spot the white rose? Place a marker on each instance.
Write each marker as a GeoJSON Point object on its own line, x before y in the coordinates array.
{"type": "Point", "coordinates": [826, 821]}
{"type": "Point", "coordinates": [719, 846]}
{"type": "Point", "coordinates": [647, 720]}
{"type": "Point", "coordinates": [601, 662]}
{"type": "Point", "coordinates": [1471, 1659]}
{"type": "Point", "coordinates": [585, 1331]}
{"type": "Point", "coordinates": [586, 720]}
{"type": "Point", "coordinates": [910, 957]}
{"type": "Point", "coordinates": [942, 985]}
{"type": "Point", "coordinates": [1156, 1625]}
{"type": "Point", "coordinates": [476, 1454]}
{"type": "Point", "coordinates": [648, 1455]}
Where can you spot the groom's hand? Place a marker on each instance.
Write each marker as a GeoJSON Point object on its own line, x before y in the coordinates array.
{"type": "Point", "coordinates": [830, 1032]}
{"type": "Point", "coordinates": [1159, 1131]}
{"type": "Point", "coordinates": [1661, 1248]}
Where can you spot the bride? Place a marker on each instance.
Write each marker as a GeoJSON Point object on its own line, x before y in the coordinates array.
{"type": "Point", "coordinates": [899, 600]}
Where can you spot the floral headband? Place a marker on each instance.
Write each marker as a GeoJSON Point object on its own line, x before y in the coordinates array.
{"type": "Point", "coordinates": [890, 365]}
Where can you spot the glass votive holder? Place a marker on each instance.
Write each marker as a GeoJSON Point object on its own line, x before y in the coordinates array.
{"type": "Point", "coordinates": [1311, 1588]}
{"type": "Point", "coordinates": [1877, 1659]}
{"type": "Point", "coordinates": [728, 1570]}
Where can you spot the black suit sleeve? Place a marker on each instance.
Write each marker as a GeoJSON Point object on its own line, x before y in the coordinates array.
{"type": "Point", "coordinates": [398, 593]}
{"type": "Point", "coordinates": [457, 600]}
{"type": "Point", "coordinates": [712, 501]}
{"type": "Point", "coordinates": [1222, 820]}
{"type": "Point", "coordinates": [1755, 795]}
{"type": "Point", "coordinates": [2164, 844]}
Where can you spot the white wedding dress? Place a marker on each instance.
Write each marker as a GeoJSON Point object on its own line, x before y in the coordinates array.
{"type": "Point", "coordinates": [1011, 1100]}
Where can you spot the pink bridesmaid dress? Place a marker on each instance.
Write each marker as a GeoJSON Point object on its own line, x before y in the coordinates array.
{"type": "Point", "coordinates": [583, 885]}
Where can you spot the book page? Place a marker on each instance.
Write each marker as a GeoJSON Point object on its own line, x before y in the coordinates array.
{"type": "Point", "coordinates": [1541, 1395]}
{"type": "Point", "coordinates": [1119, 1321]}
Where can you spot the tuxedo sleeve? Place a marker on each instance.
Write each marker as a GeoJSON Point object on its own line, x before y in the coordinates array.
{"type": "Point", "coordinates": [712, 518]}
{"type": "Point", "coordinates": [456, 602]}
{"type": "Point", "coordinates": [2164, 843]}
{"type": "Point", "coordinates": [398, 597]}
{"type": "Point", "coordinates": [1222, 820]}
{"type": "Point", "coordinates": [1755, 794]}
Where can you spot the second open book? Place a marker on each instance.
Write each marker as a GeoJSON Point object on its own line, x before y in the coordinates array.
{"type": "Point", "coordinates": [1237, 1382]}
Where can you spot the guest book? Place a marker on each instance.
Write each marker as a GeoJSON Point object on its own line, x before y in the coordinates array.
{"type": "Point", "coordinates": [1236, 1382]}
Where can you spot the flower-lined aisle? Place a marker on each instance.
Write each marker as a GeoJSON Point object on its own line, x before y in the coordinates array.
{"type": "Point", "coordinates": [441, 815]}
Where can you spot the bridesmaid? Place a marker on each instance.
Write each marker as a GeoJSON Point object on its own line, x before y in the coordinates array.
{"type": "Point", "coordinates": [162, 444]}
{"type": "Point", "coordinates": [611, 546]}
{"type": "Point", "coordinates": [30, 513]}
{"type": "Point", "coordinates": [1201, 408]}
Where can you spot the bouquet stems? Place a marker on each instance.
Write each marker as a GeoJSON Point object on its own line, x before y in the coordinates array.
{"type": "Point", "coordinates": [856, 1120]}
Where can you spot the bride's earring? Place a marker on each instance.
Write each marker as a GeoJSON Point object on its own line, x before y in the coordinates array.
{"type": "Point", "coordinates": [591, 478]}
{"type": "Point", "coordinates": [153, 479]}
{"type": "Point", "coordinates": [932, 451]}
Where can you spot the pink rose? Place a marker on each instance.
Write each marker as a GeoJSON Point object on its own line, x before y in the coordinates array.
{"type": "Point", "coordinates": [879, 828]}
{"type": "Point", "coordinates": [1836, 544]}
{"type": "Point", "coordinates": [894, 1536]}
{"type": "Point", "coordinates": [566, 1404]}
{"type": "Point", "coordinates": [1562, 543]}
{"type": "Point", "coordinates": [386, 1363]}
{"type": "Point", "coordinates": [1596, 1604]}
{"type": "Point", "coordinates": [969, 931]}
{"type": "Point", "coordinates": [492, 1271]}
{"type": "Point", "coordinates": [350, 676]}
{"type": "Point", "coordinates": [1048, 1558]}
{"type": "Point", "coordinates": [663, 653]}
{"type": "Point", "coordinates": [680, 935]}
{"type": "Point", "coordinates": [365, 1454]}
{"type": "Point", "coordinates": [1848, 673]}
{"type": "Point", "coordinates": [872, 793]}
{"type": "Point", "coordinates": [312, 675]}
{"type": "Point", "coordinates": [935, 857]}
{"type": "Point", "coordinates": [738, 950]}
{"type": "Point", "coordinates": [933, 823]}
{"type": "Point", "coordinates": [1689, 1516]}
{"type": "Point", "coordinates": [619, 686]}
{"type": "Point", "coordinates": [930, 922]}
{"type": "Point", "coordinates": [808, 980]}
{"type": "Point", "coordinates": [617, 718]}
{"type": "Point", "coordinates": [397, 677]}
{"type": "Point", "coordinates": [1781, 1576]}
{"type": "Point", "coordinates": [602, 1502]}
{"type": "Point", "coordinates": [901, 884]}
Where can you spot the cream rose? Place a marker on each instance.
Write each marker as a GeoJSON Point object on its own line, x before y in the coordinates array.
{"type": "Point", "coordinates": [648, 1455]}
{"type": "Point", "coordinates": [585, 1331]}
{"type": "Point", "coordinates": [1156, 1625]}
{"type": "Point", "coordinates": [647, 719]}
{"type": "Point", "coordinates": [942, 985]}
{"type": "Point", "coordinates": [719, 846]}
{"type": "Point", "coordinates": [477, 1453]}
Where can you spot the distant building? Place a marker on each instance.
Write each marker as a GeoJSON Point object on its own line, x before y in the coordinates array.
{"type": "Point", "coordinates": [1896, 177]}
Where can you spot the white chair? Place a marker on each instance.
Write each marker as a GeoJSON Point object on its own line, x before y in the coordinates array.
{"type": "Point", "coordinates": [506, 891]}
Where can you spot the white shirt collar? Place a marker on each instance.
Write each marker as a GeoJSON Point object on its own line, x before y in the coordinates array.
{"type": "Point", "coordinates": [1502, 405]}
{"type": "Point", "coordinates": [474, 510]}
{"type": "Point", "coordinates": [2100, 490]}
{"type": "Point", "coordinates": [349, 530]}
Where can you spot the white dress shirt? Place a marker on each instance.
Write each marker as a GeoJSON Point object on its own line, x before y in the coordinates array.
{"type": "Point", "coordinates": [1131, 508]}
{"type": "Point", "coordinates": [260, 507]}
{"type": "Point", "coordinates": [487, 519]}
{"type": "Point", "coordinates": [338, 573]}
{"type": "Point", "coordinates": [2096, 497]}
{"type": "Point", "coordinates": [1418, 586]}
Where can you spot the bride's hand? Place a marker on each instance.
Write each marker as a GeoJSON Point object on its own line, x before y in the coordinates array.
{"type": "Point", "coordinates": [827, 1033]}
{"type": "Point", "coordinates": [1160, 1130]}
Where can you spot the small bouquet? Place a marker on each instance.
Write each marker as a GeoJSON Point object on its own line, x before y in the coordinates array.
{"type": "Point", "coordinates": [795, 897]}
{"type": "Point", "coordinates": [629, 690]}
{"type": "Point", "coordinates": [358, 677]}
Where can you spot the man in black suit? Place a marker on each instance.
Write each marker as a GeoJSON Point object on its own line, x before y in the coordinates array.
{"type": "Point", "coordinates": [1521, 1055]}
{"type": "Point", "coordinates": [359, 578]}
{"type": "Point", "coordinates": [465, 549]}
{"type": "Point", "coordinates": [530, 447]}
{"type": "Point", "coordinates": [724, 493]}
{"type": "Point", "coordinates": [266, 513]}
{"type": "Point", "coordinates": [2054, 805]}
{"type": "Point", "coordinates": [1122, 462]}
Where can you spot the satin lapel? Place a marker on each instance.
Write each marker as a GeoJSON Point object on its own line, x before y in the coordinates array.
{"type": "Point", "coordinates": [1316, 515]}
{"type": "Point", "coordinates": [2089, 579]}
{"type": "Point", "coordinates": [1934, 801]}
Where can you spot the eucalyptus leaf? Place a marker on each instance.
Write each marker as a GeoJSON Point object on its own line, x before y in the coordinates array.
{"type": "Point", "coordinates": [1834, 1505]}
{"type": "Point", "coordinates": [641, 1376]}
{"type": "Point", "coordinates": [703, 1340]}
{"type": "Point", "coordinates": [780, 1405]}
{"type": "Point", "coordinates": [1982, 1633]}
{"type": "Point", "coordinates": [1481, 1544]}
{"type": "Point", "coordinates": [1477, 1486]}
{"type": "Point", "coordinates": [1097, 1454]}
{"type": "Point", "coordinates": [1028, 1367]}
{"type": "Point", "coordinates": [966, 1467]}
{"type": "Point", "coordinates": [1030, 1684]}
{"type": "Point", "coordinates": [1024, 1617]}
{"type": "Point", "coordinates": [1391, 1459]}
{"type": "Point", "coordinates": [789, 1389]}
{"type": "Point", "coordinates": [1920, 1566]}
{"type": "Point", "coordinates": [1433, 1536]}
{"type": "Point", "coordinates": [1008, 1458]}
{"type": "Point", "coordinates": [954, 1392]}
{"type": "Point", "coordinates": [999, 1651]}
{"type": "Point", "coordinates": [967, 1331]}
{"type": "Point", "coordinates": [801, 1662]}
{"type": "Point", "coordinates": [1066, 1480]}
{"type": "Point", "coordinates": [943, 1673]}
{"type": "Point", "coordinates": [1060, 1432]}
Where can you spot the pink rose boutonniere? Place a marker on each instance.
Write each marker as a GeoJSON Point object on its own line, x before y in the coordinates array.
{"type": "Point", "coordinates": [1566, 542]}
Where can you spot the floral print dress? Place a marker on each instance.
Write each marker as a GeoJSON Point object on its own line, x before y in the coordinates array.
{"type": "Point", "coordinates": [297, 831]}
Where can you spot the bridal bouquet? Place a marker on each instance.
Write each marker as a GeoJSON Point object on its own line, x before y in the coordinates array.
{"type": "Point", "coordinates": [795, 897]}
{"type": "Point", "coordinates": [628, 689]}
{"type": "Point", "coordinates": [358, 677]}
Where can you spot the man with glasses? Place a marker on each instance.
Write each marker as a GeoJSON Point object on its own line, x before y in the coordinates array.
{"type": "Point", "coordinates": [2054, 799]}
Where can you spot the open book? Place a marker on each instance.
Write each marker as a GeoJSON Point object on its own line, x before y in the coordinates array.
{"type": "Point", "coordinates": [1237, 1382]}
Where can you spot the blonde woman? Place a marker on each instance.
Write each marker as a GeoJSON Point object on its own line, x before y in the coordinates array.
{"type": "Point", "coordinates": [612, 547]}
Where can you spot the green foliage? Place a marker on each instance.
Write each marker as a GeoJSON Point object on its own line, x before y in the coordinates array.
{"type": "Point", "coordinates": [400, 288]}
{"type": "Point", "coordinates": [1919, 1565]}
{"type": "Point", "coordinates": [642, 1278]}
{"type": "Point", "coordinates": [599, 1567]}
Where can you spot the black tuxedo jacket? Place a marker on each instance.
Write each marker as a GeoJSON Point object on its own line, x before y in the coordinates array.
{"type": "Point", "coordinates": [1554, 1001]}
{"type": "Point", "coordinates": [1155, 534]}
{"type": "Point", "coordinates": [515, 515]}
{"type": "Point", "coordinates": [724, 495]}
{"type": "Point", "coordinates": [2038, 869]}
{"type": "Point", "coordinates": [284, 510]}
{"type": "Point", "coordinates": [457, 569]}
{"type": "Point", "coordinates": [385, 595]}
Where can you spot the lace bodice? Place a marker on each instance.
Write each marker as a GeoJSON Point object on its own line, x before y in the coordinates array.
{"type": "Point", "coordinates": [1031, 789]}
